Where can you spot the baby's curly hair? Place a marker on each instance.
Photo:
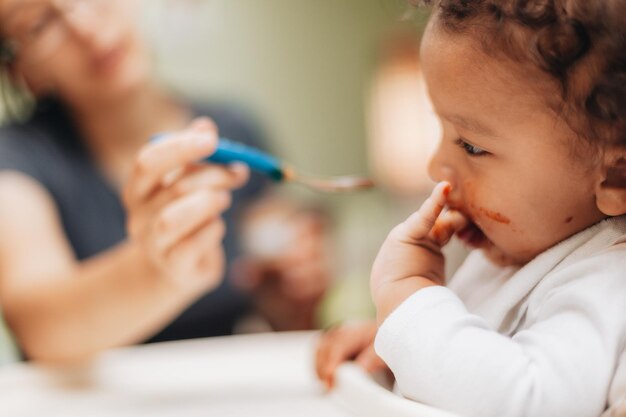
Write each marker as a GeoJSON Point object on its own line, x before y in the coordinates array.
{"type": "Point", "coordinates": [580, 44]}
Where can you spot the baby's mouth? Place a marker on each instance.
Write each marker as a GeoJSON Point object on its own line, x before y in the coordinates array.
{"type": "Point", "coordinates": [473, 236]}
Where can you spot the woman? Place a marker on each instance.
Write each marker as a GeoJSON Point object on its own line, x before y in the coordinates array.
{"type": "Point", "coordinates": [81, 270]}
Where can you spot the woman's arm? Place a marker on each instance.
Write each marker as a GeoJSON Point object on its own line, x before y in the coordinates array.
{"type": "Point", "coordinates": [60, 308]}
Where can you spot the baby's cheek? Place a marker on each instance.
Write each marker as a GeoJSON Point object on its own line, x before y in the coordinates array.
{"type": "Point", "coordinates": [511, 239]}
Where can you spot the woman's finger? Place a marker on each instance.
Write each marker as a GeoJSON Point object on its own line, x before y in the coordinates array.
{"type": "Point", "coordinates": [208, 177]}
{"type": "Point", "coordinates": [194, 253]}
{"type": "Point", "coordinates": [420, 223]}
{"type": "Point", "coordinates": [156, 160]}
{"type": "Point", "coordinates": [185, 215]}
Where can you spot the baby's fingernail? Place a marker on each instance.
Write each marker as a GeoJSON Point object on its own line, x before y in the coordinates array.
{"type": "Point", "coordinates": [447, 189]}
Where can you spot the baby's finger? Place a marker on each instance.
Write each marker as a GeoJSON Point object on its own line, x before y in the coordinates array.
{"type": "Point", "coordinates": [323, 349]}
{"type": "Point", "coordinates": [335, 348]}
{"type": "Point", "coordinates": [335, 357]}
{"type": "Point", "coordinates": [420, 223]}
{"type": "Point", "coordinates": [447, 225]}
{"type": "Point", "coordinates": [370, 361]}
{"type": "Point", "coordinates": [158, 159]}
{"type": "Point", "coordinates": [346, 343]}
{"type": "Point", "coordinates": [187, 214]}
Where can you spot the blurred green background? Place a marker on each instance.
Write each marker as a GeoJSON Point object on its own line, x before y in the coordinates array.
{"type": "Point", "coordinates": [302, 66]}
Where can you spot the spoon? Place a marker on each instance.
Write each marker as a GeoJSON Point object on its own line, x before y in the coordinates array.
{"type": "Point", "coordinates": [229, 151]}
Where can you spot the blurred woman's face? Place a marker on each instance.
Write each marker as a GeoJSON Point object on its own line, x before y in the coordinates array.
{"type": "Point", "coordinates": [78, 49]}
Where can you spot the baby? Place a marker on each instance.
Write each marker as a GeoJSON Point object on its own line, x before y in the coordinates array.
{"type": "Point", "coordinates": [531, 167]}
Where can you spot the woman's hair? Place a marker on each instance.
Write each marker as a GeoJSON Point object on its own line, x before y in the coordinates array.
{"type": "Point", "coordinates": [15, 103]}
{"type": "Point", "coordinates": [580, 44]}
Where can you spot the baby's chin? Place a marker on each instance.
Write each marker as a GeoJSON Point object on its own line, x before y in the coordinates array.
{"type": "Point", "coordinates": [473, 237]}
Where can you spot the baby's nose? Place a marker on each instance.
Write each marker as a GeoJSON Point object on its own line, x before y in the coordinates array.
{"type": "Point", "coordinates": [439, 171]}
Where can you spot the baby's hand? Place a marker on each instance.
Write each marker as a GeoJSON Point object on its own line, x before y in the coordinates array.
{"type": "Point", "coordinates": [352, 341]}
{"type": "Point", "coordinates": [411, 257]}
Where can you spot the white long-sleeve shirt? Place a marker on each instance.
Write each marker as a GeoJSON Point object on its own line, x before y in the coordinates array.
{"type": "Point", "coordinates": [541, 340]}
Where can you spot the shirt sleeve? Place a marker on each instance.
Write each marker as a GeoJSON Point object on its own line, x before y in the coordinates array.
{"type": "Point", "coordinates": [562, 365]}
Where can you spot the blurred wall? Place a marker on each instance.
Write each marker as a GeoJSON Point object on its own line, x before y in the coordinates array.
{"type": "Point", "coordinates": [302, 66]}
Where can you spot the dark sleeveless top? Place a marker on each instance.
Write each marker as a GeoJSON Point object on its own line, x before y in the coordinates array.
{"type": "Point", "coordinates": [49, 149]}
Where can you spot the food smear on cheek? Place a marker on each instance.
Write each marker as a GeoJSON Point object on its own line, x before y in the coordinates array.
{"type": "Point", "coordinates": [495, 216]}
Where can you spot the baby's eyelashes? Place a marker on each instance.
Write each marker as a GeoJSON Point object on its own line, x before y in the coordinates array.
{"type": "Point", "coordinates": [471, 150]}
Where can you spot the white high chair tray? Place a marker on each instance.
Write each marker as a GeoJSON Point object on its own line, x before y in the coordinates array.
{"type": "Point", "coordinates": [252, 376]}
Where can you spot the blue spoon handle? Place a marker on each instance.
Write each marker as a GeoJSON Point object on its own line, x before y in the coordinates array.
{"type": "Point", "coordinates": [229, 151]}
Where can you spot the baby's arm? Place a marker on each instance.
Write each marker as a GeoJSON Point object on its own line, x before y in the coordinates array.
{"type": "Point", "coordinates": [559, 366]}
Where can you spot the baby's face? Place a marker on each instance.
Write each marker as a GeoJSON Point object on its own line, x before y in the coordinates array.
{"type": "Point", "coordinates": [509, 158]}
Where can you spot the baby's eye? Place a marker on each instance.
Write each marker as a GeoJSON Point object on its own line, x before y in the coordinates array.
{"type": "Point", "coordinates": [470, 149]}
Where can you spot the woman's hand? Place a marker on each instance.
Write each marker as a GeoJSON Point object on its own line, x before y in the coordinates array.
{"type": "Point", "coordinates": [411, 257]}
{"type": "Point", "coordinates": [174, 207]}
{"type": "Point", "coordinates": [350, 341]}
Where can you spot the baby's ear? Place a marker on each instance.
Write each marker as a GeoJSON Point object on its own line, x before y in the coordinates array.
{"type": "Point", "coordinates": [611, 189]}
